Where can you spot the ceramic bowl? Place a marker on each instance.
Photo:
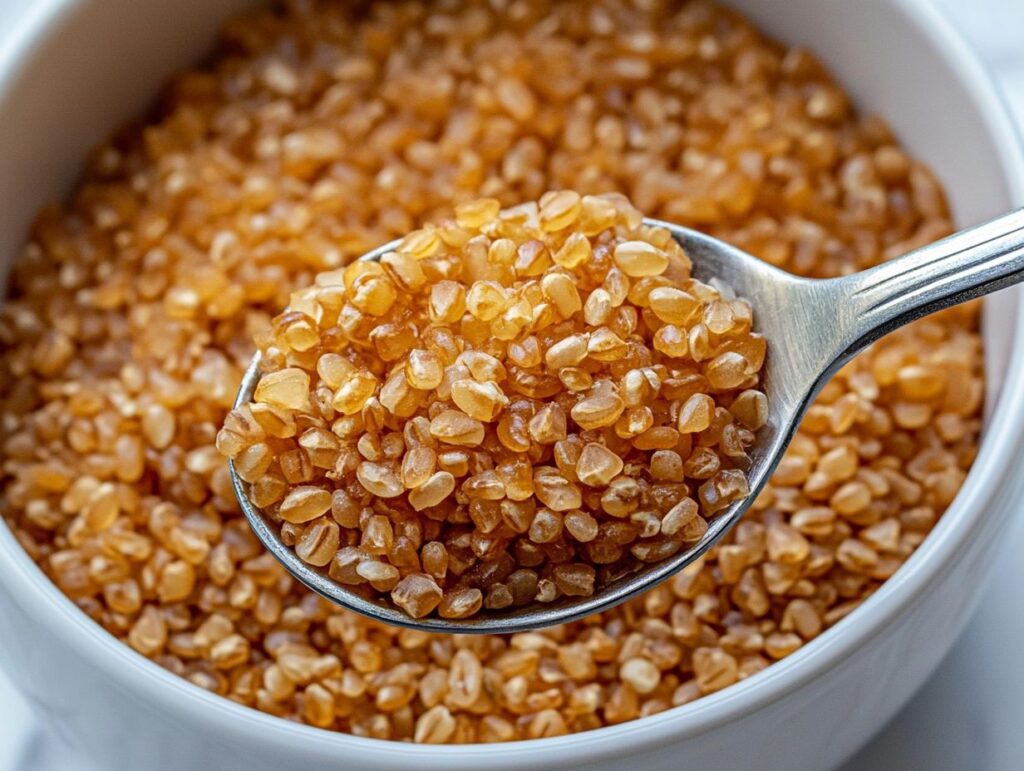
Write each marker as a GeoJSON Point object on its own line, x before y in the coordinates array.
{"type": "Point", "coordinates": [75, 69]}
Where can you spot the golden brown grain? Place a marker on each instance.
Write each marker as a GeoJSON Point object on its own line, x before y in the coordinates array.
{"type": "Point", "coordinates": [316, 136]}
{"type": "Point", "coordinates": [584, 451]}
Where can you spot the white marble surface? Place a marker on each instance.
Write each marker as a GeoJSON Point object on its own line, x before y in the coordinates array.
{"type": "Point", "coordinates": [970, 715]}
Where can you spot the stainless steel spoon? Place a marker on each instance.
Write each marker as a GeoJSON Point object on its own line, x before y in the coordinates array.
{"type": "Point", "coordinates": [813, 327]}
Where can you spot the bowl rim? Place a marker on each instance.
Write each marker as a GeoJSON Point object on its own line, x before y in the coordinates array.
{"type": "Point", "coordinates": [31, 588]}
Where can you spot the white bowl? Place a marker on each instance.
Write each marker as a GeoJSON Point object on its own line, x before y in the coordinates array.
{"type": "Point", "coordinates": [77, 68]}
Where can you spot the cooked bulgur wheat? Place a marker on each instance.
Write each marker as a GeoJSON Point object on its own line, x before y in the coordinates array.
{"type": "Point", "coordinates": [554, 361]}
{"type": "Point", "coordinates": [316, 135]}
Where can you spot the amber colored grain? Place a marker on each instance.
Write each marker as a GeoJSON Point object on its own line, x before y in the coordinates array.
{"type": "Point", "coordinates": [565, 380]}
{"type": "Point", "coordinates": [319, 134]}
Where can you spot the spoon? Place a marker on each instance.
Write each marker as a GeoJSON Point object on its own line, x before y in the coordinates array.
{"type": "Point", "coordinates": [813, 327]}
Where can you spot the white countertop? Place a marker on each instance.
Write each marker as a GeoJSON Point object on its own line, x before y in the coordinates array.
{"type": "Point", "coordinates": [970, 715]}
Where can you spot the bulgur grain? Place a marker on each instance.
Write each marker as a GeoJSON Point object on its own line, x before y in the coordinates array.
{"type": "Point", "coordinates": [317, 135]}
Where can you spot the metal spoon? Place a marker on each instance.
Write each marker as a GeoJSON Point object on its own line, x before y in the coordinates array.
{"type": "Point", "coordinates": [813, 327]}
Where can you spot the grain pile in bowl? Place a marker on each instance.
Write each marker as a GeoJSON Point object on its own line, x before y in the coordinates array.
{"type": "Point", "coordinates": [315, 136]}
{"type": "Point", "coordinates": [515, 406]}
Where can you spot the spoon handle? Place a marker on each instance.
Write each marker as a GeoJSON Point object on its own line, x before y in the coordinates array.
{"type": "Point", "coordinates": [968, 264]}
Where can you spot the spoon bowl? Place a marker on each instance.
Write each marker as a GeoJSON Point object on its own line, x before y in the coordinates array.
{"type": "Point", "coordinates": [813, 327]}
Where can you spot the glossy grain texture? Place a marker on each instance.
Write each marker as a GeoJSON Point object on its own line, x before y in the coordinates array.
{"type": "Point", "coordinates": [813, 328]}
{"type": "Point", "coordinates": [90, 686]}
